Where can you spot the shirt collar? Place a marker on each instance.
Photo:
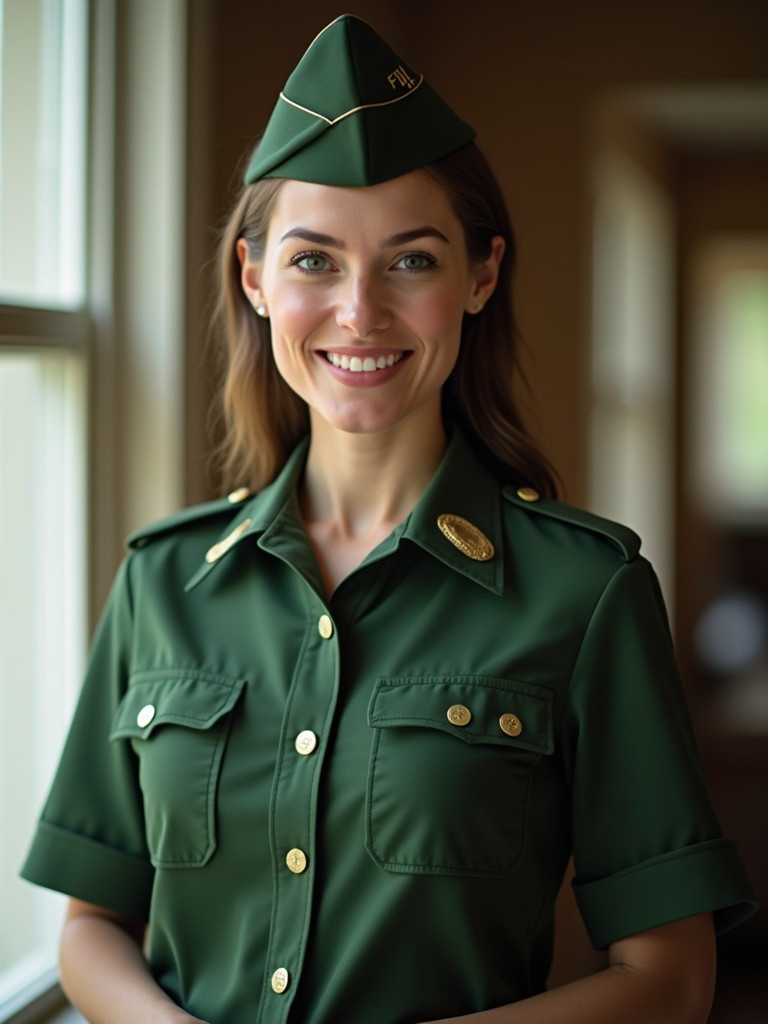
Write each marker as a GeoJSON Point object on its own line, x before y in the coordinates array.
{"type": "Point", "coordinates": [462, 488]}
{"type": "Point", "coordinates": [276, 504]}
{"type": "Point", "coordinates": [462, 494]}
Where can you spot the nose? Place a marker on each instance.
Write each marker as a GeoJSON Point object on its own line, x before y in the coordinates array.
{"type": "Point", "coordinates": [363, 309]}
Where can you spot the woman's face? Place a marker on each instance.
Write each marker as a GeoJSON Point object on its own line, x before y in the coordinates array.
{"type": "Point", "coordinates": [366, 289]}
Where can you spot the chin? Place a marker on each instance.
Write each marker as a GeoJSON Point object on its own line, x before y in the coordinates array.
{"type": "Point", "coordinates": [361, 421]}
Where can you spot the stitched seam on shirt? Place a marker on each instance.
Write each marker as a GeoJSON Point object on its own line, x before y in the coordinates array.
{"type": "Point", "coordinates": [312, 838]}
{"type": "Point", "coordinates": [489, 682]}
{"type": "Point", "coordinates": [461, 733]}
{"type": "Point", "coordinates": [276, 872]}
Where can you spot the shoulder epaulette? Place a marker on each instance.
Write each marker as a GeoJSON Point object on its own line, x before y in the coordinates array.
{"type": "Point", "coordinates": [625, 539]}
{"type": "Point", "coordinates": [193, 514]}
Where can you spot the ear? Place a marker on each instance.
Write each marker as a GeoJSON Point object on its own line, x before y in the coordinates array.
{"type": "Point", "coordinates": [250, 274]}
{"type": "Point", "coordinates": [486, 276]}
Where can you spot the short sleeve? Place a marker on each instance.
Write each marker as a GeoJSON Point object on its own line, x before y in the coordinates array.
{"type": "Point", "coordinates": [648, 848]}
{"type": "Point", "coordinates": [90, 840]}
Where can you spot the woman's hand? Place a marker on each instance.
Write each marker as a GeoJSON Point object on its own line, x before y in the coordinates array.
{"type": "Point", "coordinates": [104, 971]}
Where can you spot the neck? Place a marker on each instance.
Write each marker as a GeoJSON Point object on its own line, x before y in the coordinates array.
{"type": "Point", "coordinates": [365, 484]}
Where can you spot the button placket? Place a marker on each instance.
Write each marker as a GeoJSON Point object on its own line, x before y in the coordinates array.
{"type": "Point", "coordinates": [312, 697]}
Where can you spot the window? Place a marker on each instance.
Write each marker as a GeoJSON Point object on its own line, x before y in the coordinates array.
{"type": "Point", "coordinates": [44, 364]}
{"type": "Point", "coordinates": [42, 152]}
{"type": "Point", "coordinates": [730, 379]}
{"type": "Point", "coordinates": [92, 356]}
{"type": "Point", "coordinates": [632, 422]}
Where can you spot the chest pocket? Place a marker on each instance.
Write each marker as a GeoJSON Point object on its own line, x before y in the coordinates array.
{"type": "Point", "coordinates": [177, 722]}
{"type": "Point", "coordinates": [450, 770]}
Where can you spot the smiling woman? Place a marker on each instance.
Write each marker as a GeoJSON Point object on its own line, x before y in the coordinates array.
{"type": "Point", "coordinates": [368, 310]}
{"type": "Point", "coordinates": [377, 699]}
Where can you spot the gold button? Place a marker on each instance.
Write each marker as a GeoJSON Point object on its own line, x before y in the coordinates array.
{"type": "Point", "coordinates": [325, 627]}
{"type": "Point", "coordinates": [296, 861]}
{"type": "Point", "coordinates": [306, 742]}
{"type": "Point", "coordinates": [214, 554]}
{"type": "Point", "coordinates": [235, 497]}
{"type": "Point", "coordinates": [280, 980]}
{"type": "Point", "coordinates": [528, 494]}
{"type": "Point", "coordinates": [145, 716]}
{"type": "Point", "coordinates": [467, 538]}
{"type": "Point", "coordinates": [459, 715]}
{"type": "Point", "coordinates": [511, 725]}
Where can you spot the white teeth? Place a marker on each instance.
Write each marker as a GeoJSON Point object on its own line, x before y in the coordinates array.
{"type": "Point", "coordinates": [367, 365]}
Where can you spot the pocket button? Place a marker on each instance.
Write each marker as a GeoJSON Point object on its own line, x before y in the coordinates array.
{"type": "Point", "coordinates": [511, 725]}
{"type": "Point", "coordinates": [459, 714]}
{"type": "Point", "coordinates": [145, 716]}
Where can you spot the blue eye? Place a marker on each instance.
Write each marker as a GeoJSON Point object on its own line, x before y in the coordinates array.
{"type": "Point", "coordinates": [415, 261]}
{"type": "Point", "coordinates": [310, 262]}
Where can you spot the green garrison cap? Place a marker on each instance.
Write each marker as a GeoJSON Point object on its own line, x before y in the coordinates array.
{"type": "Point", "coordinates": [354, 113]}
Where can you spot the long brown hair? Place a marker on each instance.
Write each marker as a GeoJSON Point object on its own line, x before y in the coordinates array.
{"type": "Point", "coordinates": [479, 394]}
{"type": "Point", "coordinates": [264, 419]}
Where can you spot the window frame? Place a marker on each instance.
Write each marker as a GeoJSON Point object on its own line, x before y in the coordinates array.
{"type": "Point", "coordinates": [133, 345]}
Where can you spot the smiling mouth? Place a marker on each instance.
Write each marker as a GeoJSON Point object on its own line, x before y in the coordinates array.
{"type": "Point", "coordinates": [368, 364]}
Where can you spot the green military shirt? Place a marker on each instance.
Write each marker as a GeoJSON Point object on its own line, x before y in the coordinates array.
{"type": "Point", "coordinates": [359, 808]}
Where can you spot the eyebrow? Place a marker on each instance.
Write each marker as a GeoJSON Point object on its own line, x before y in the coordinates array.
{"type": "Point", "coordinates": [401, 238]}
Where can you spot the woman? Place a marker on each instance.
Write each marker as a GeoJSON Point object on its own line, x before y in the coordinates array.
{"type": "Point", "coordinates": [341, 732]}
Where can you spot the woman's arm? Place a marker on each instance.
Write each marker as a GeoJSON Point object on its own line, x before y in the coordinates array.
{"type": "Point", "coordinates": [662, 976]}
{"type": "Point", "coordinates": [104, 972]}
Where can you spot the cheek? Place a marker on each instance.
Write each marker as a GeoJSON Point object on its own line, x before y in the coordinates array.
{"type": "Point", "coordinates": [440, 313]}
{"type": "Point", "coordinates": [444, 328]}
{"type": "Point", "coordinates": [286, 357]}
{"type": "Point", "coordinates": [292, 320]}
{"type": "Point", "coordinates": [292, 315]}
{"type": "Point", "coordinates": [296, 323]}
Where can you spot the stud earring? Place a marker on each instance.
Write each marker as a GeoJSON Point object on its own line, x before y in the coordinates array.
{"type": "Point", "coordinates": [261, 310]}
{"type": "Point", "coordinates": [476, 306]}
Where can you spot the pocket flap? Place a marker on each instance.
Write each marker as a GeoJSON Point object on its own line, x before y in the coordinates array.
{"type": "Point", "coordinates": [185, 697]}
{"type": "Point", "coordinates": [475, 709]}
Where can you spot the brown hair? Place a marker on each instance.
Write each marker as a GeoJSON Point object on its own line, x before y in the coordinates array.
{"type": "Point", "coordinates": [479, 394]}
{"type": "Point", "coordinates": [264, 419]}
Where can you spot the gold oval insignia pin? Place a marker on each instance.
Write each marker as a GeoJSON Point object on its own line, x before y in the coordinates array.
{"type": "Point", "coordinates": [467, 538]}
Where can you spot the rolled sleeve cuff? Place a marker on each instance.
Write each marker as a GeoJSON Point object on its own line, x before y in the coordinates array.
{"type": "Point", "coordinates": [89, 870]}
{"type": "Point", "coordinates": [706, 877]}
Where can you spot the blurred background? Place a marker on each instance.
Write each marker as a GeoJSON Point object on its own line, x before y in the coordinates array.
{"type": "Point", "coordinates": [631, 140]}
